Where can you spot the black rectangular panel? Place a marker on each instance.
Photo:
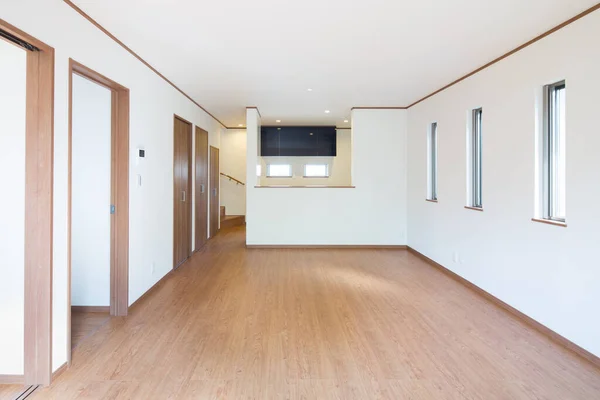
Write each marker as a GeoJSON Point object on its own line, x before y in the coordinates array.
{"type": "Point", "coordinates": [298, 141]}
{"type": "Point", "coordinates": [327, 142]}
{"type": "Point", "coordinates": [269, 141]}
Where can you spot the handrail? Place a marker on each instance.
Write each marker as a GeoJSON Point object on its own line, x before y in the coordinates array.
{"type": "Point", "coordinates": [231, 178]}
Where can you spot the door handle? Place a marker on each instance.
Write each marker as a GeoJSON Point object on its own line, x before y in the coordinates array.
{"type": "Point", "coordinates": [183, 196]}
{"type": "Point", "coordinates": [214, 191]}
{"type": "Point", "coordinates": [202, 188]}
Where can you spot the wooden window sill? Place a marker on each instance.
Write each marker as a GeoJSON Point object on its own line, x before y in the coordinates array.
{"type": "Point", "coordinates": [474, 208]}
{"type": "Point", "coordinates": [550, 222]}
{"type": "Point", "coordinates": [431, 200]}
{"type": "Point", "coordinates": [304, 187]}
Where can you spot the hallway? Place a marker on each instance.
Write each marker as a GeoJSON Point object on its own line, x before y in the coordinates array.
{"type": "Point", "coordinates": [235, 323]}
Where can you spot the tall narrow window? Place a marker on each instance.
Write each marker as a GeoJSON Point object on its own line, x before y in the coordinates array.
{"type": "Point", "coordinates": [554, 171]}
{"type": "Point", "coordinates": [476, 161]}
{"type": "Point", "coordinates": [432, 155]}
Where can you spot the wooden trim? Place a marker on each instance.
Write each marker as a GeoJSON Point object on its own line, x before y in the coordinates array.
{"type": "Point", "coordinates": [119, 249]}
{"type": "Point", "coordinates": [91, 309]}
{"type": "Point", "coordinates": [304, 187]}
{"type": "Point", "coordinates": [502, 57]}
{"type": "Point", "coordinates": [12, 379]}
{"type": "Point", "coordinates": [239, 128]}
{"type": "Point", "coordinates": [555, 337]}
{"type": "Point", "coordinates": [337, 129]}
{"type": "Point", "coordinates": [61, 369]}
{"type": "Point", "coordinates": [474, 208]}
{"type": "Point", "coordinates": [550, 222]}
{"type": "Point", "coordinates": [154, 287]}
{"type": "Point", "coordinates": [431, 200]}
{"type": "Point", "coordinates": [183, 119]}
{"type": "Point", "coordinates": [256, 108]}
{"type": "Point", "coordinates": [327, 246]}
{"type": "Point", "coordinates": [39, 172]}
{"type": "Point", "coordinates": [120, 43]}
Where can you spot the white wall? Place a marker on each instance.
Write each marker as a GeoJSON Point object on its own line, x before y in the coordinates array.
{"type": "Point", "coordinates": [153, 103]}
{"type": "Point", "coordinates": [339, 166]}
{"type": "Point", "coordinates": [550, 273]}
{"type": "Point", "coordinates": [232, 161]}
{"type": "Point", "coordinates": [373, 213]}
{"type": "Point", "coordinates": [90, 188]}
{"type": "Point", "coordinates": [12, 204]}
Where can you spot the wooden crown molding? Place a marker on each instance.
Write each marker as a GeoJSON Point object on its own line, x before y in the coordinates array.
{"type": "Point", "coordinates": [255, 108]}
{"type": "Point", "coordinates": [489, 64]}
{"type": "Point", "coordinates": [510, 53]}
{"type": "Point", "coordinates": [113, 37]}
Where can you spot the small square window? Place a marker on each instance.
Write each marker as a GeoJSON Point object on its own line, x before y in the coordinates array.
{"type": "Point", "coordinates": [279, 171]}
{"type": "Point", "coordinates": [316, 171]}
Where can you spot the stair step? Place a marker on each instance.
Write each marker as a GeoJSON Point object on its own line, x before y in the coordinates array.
{"type": "Point", "coordinates": [229, 221]}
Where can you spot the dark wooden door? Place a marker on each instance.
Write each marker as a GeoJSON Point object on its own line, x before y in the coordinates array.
{"type": "Point", "coordinates": [182, 200]}
{"type": "Point", "coordinates": [214, 191]}
{"type": "Point", "coordinates": [201, 188]}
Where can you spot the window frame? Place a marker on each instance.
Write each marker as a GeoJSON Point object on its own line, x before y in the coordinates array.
{"type": "Point", "coordinates": [268, 172]}
{"type": "Point", "coordinates": [551, 153]}
{"type": "Point", "coordinates": [432, 162]}
{"type": "Point", "coordinates": [476, 159]}
{"type": "Point", "coordinates": [327, 175]}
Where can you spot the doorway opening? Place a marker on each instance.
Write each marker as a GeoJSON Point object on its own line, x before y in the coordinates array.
{"type": "Point", "coordinates": [33, 137]}
{"type": "Point", "coordinates": [98, 229]}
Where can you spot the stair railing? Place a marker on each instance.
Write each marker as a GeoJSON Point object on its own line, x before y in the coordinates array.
{"type": "Point", "coordinates": [231, 178]}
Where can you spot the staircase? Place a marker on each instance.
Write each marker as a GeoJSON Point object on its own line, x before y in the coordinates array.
{"type": "Point", "coordinates": [229, 221]}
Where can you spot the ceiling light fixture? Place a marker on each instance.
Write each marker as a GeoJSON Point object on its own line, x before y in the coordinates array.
{"type": "Point", "coordinates": [240, 124]}
{"type": "Point", "coordinates": [346, 121]}
{"type": "Point", "coordinates": [278, 120]}
{"type": "Point", "coordinates": [309, 89]}
{"type": "Point", "coordinates": [327, 111]}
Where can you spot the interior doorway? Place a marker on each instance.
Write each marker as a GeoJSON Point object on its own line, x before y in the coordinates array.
{"type": "Point", "coordinates": [33, 167]}
{"type": "Point", "coordinates": [214, 191]}
{"type": "Point", "coordinates": [98, 201]}
{"type": "Point", "coordinates": [182, 185]}
{"type": "Point", "coordinates": [201, 177]}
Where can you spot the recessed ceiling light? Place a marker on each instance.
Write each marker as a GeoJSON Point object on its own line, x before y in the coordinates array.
{"type": "Point", "coordinates": [309, 89]}
{"type": "Point", "coordinates": [346, 120]}
{"type": "Point", "coordinates": [327, 111]}
{"type": "Point", "coordinates": [277, 120]}
{"type": "Point", "coordinates": [240, 124]}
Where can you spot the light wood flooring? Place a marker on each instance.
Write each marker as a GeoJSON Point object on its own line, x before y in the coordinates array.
{"type": "Point", "coordinates": [11, 392]}
{"type": "Point", "coordinates": [85, 324]}
{"type": "Point", "coordinates": [237, 323]}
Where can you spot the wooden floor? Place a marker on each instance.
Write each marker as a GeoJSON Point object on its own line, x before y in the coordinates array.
{"type": "Point", "coordinates": [85, 324]}
{"type": "Point", "coordinates": [11, 392]}
{"type": "Point", "coordinates": [233, 323]}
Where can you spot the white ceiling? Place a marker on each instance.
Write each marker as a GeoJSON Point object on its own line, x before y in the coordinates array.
{"type": "Point", "coordinates": [229, 54]}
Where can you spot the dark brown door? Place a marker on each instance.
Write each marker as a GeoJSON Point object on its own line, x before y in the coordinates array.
{"type": "Point", "coordinates": [182, 199]}
{"type": "Point", "coordinates": [214, 191]}
{"type": "Point", "coordinates": [201, 187]}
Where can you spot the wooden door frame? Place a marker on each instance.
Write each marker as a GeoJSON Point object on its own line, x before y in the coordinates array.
{"type": "Point", "coordinates": [189, 185]}
{"type": "Point", "coordinates": [211, 235]}
{"type": "Point", "coordinates": [119, 230]}
{"type": "Point", "coordinates": [196, 202]}
{"type": "Point", "coordinates": [39, 173]}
